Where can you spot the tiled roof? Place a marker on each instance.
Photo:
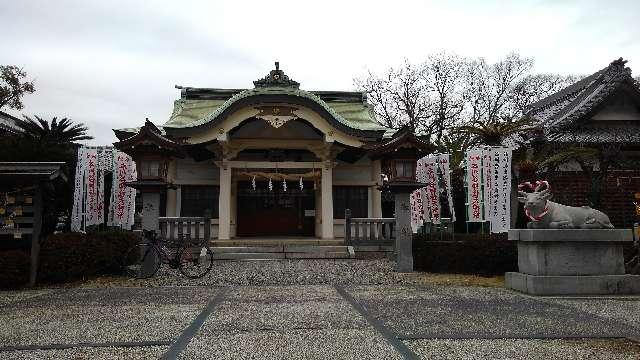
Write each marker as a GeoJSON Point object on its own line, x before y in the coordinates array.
{"type": "Point", "coordinates": [571, 104]}
{"type": "Point", "coordinates": [353, 114]}
{"type": "Point", "coordinates": [8, 123]}
{"type": "Point", "coordinates": [613, 133]}
{"type": "Point", "coordinates": [348, 110]}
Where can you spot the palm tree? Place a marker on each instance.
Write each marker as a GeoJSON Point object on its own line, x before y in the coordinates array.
{"type": "Point", "coordinates": [455, 144]}
{"type": "Point", "coordinates": [58, 132]}
{"type": "Point", "coordinates": [41, 140]}
{"type": "Point", "coordinates": [494, 133]}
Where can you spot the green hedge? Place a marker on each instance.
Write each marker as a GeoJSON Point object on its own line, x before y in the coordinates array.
{"type": "Point", "coordinates": [480, 254]}
{"type": "Point", "coordinates": [74, 256]}
{"type": "Point", "coordinates": [14, 268]}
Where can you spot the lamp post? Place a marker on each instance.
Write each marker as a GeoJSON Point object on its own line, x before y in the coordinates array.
{"type": "Point", "coordinates": [400, 176]}
{"type": "Point", "coordinates": [399, 157]}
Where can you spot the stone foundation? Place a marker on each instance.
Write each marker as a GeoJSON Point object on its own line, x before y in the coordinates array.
{"type": "Point", "coordinates": [571, 262]}
{"type": "Point", "coordinates": [573, 285]}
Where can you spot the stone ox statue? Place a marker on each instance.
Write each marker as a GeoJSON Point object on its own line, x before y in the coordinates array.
{"type": "Point", "coordinates": [545, 214]}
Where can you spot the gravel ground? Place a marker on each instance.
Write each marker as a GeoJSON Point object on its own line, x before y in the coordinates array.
{"type": "Point", "coordinates": [88, 324]}
{"type": "Point", "coordinates": [526, 349]}
{"type": "Point", "coordinates": [283, 308]}
{"type": "Point", "coordinates": [621, 310]}
{"type": "Point", "coordinates": [71, 316]}
{"type": "Point", "coordinates": [361, 344]}
{"type": "Point", "coordinates": [139, 353]}
{"type": "Point", "coordinates": [439, 311]}
{"type": "Point", "coordinates": [289, 309]}
{"type": "Point", "coordinates": [276, 272]}
{"type": "Point", "coordinates": [10, 297]}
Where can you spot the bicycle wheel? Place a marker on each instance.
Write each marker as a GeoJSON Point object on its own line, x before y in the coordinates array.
{"type": "Point", "coordinates": [142, 261]}
{"type": "Point", "coordinates": [195, 262]}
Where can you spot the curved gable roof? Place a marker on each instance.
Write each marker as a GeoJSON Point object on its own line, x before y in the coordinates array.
{"type": "Point", "coordinates": [346, 111]}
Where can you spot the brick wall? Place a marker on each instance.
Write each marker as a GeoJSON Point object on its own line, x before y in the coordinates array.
{"type": "Point", "coordinates": [573, 188]}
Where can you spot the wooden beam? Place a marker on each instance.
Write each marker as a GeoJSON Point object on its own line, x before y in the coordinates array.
{"type": "Point", "coordinates": [272, 165]}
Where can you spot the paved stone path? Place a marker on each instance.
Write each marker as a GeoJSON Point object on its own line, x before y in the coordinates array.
{"type": "Point", "coordinates": [314, 322]}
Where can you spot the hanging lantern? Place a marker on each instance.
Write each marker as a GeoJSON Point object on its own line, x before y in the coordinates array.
{"type": "Point", "coordinates": [284, 184]}
{"type": "Point", "coordinates": [301, 185]}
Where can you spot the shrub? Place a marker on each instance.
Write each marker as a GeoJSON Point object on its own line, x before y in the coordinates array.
{"type": "Point", "coordinates": [73, 256]}
{"type": "Point", "coordinates": [481, 254]}
{"type": "Point", "coordinates": [14, 268]}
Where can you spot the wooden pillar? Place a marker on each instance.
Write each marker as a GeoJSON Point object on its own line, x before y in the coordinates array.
{"type": "Point", "coordinates": [376, 195]}
{"type": "Point", "coordinates": [327, 200]}
{"type": "Point", "coordinates": [224, 203]}
{"type": "Point", "coordinates": [172, 194]}
{"type": "Point", "coordinates": [35, 235]}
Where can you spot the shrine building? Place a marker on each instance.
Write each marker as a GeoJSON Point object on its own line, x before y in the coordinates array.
{"type": "Point", "coordinates": [272, 160]}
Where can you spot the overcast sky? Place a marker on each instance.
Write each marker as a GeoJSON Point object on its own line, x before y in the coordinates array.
{"type": "Point", "coordinates": [111, 63]}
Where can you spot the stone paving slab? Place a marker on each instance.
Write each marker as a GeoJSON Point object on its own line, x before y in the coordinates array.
{"type": "Point", "coordinates": [316, 322]}
{"type": "Point", "coordinates": [332, 344]}
{"type": "Point", "coordinates": [283, 308]}
{"type": "Point", "coordinates": [138, 353]}
{"type": "Point", "coordinates": [526, 349]}
{"type": "Point", "coordinates": [625, 311]}
{"type": "Point", "coordinates": [78, 324]}
{"type": "Point", "coordinates": [268, 316]}
{"type": "Point", "coordinates": [279, 294]}
{"type": "Point", "coordinates": [454, 312]}
{"type": "Point", "coordinates": [188, 295]}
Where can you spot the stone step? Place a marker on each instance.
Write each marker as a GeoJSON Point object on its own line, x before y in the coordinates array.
{"type": "Point", "coordinates": [318, 255]}
{"type": "Point", "coordinates": [282, 252]}
{"type": "Point", "coordinates": [373, 248]}
{"type": "Point", "coordinates": [247, 249]}
{"type": "Point", "coordinates": [249, 256]}
{"type": "Point", "coordinates": [315, 248]}
{"type": "Point", "coordinates": [259, 242]}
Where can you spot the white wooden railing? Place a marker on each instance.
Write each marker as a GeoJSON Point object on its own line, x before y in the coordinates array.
{"type": "Point", "coordinates": [181, 229]}
{"type": "Point", "coordinates": [368, 231]}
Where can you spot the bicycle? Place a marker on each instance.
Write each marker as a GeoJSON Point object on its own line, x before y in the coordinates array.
{"type": "Point", "coordinates": [142, 261]}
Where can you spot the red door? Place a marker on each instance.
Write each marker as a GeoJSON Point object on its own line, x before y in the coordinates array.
{"type": "Point", "coordinates": [264, 212]}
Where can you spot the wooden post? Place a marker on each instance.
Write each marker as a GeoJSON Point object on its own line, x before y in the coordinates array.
{"type": "Point", "coordinates": [207, 226]}
{"type": "Point", "coordinates": [347, 226]}
{"type": "Point", "coordinates": [35, 235]}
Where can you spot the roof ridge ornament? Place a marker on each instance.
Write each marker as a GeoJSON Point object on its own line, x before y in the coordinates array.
{"type": "Point", "coordinates": [617, 68]}
{"type": "Point", "coordinates": [276, 78]}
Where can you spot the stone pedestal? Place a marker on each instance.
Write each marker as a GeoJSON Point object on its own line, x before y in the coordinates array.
{"type": "Point", "coordinates": [404, 235]}
{"type": "Point", "coordinates": [150, 214]}
{"type": "Point", "coordinates": [150, 210]}
{"type": "Point", "coordinates": [571, 262]}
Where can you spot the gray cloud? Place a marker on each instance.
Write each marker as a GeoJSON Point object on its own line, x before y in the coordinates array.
{"type": "Point", "coordinates": [112, 63]}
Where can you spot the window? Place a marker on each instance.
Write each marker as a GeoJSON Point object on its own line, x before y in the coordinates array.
{"type": "Point", "coordinates": [355, 198]}
{"type": "Point", "coordinates": [196, 200]}
{"type": "Point", "coordinates": [149, 169]}
{"type": "Point", "coordinates": [405, 169]}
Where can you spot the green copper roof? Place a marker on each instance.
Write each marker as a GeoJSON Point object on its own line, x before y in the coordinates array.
{"type": "Point", "coordinates": [187, 112]}
{"type": "Point", "coordinates": [347, 111]}
{"type": "Point", "coordinates": [191, 113]}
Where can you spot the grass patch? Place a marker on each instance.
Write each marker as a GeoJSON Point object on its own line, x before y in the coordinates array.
{"type": "Point", "coordinates": [422, 278]}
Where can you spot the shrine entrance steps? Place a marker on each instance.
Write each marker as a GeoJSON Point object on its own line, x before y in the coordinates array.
{"type": "Point", "coordinates": [280, 248]}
